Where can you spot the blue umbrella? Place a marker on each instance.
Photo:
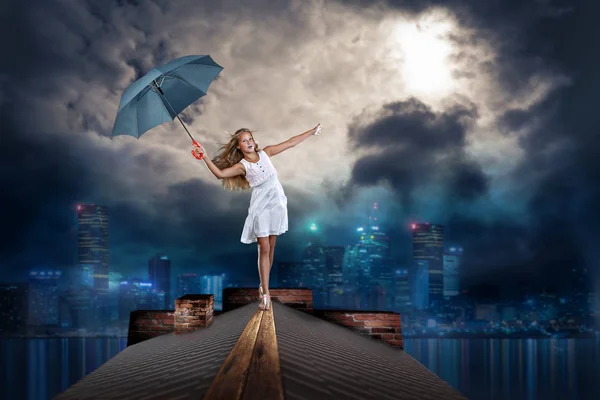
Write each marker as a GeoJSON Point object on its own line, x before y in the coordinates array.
{"type": "Point", "coordinates": [163, 93]}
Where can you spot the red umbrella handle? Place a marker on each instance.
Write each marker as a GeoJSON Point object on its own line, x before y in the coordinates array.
{"type": "Point", "coordinates": [198, 156]}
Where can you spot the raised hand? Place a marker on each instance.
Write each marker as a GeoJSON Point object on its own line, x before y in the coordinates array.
{"type": "Point", "coordinates": [198, 151]}
{"type": "Point", "coordinates": [317, 130]}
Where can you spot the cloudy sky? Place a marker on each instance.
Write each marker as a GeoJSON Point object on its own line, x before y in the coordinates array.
{"type": "Point", "coordinates": [480, 116]}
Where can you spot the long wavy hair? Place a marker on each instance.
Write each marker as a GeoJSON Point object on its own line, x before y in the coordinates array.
{"type": "Point", "coordinates": [229, 155]}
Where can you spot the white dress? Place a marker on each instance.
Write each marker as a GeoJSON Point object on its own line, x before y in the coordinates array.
{"type": "Point", "coordinates": [267, 214]}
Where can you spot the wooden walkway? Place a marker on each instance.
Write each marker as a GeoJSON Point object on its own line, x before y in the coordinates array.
{"type": "Point", "coordinates": [252, 369]}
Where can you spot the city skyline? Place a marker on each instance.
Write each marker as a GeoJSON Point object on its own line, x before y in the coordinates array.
{"type": "Point", "coordinates": [96, 217]}
{"type": "Point", "coordinates": [429, 292]}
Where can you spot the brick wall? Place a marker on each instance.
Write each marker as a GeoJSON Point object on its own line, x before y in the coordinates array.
{"type": "Point", "coordinates": [147, 324]}
{"type": "Point", "coordinates": [193, 311]}
{"type": "Point", "coordinates": [298, 298]}
{"type": "Point", "coordinates": [378, 325]}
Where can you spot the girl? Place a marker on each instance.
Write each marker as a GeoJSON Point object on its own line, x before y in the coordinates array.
{"type": "Point", "coordinates": [242, 165]}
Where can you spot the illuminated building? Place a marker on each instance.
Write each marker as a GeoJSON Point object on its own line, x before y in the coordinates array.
{"type": "Point", "coordinates": [137, 294]}
{"type": "Point", "coordinates": [334, 260]}
{"type": "Point", "coordinates": [452, 261]}
{"type": "Point", "coordinates": [43, 299]}
{"type": "Point", "coordinates": [93, 244]}
{"type": "Point", "coordinates": [188, 284]}
{"type": "Point", "coordinates": [428, 245]}
{"type": "Point", "coordinates": [159, 273]}
{"type": "Point", "coordinates": [289, 274]}
{"type": "Point", "coordinates": [350, 267]}
{"type": "Point", "coordinates": [421, 284]}
{"type": "Point", "coordinates": [13, 307]}
{"type": "Point", "coordinates": [80, 309]}
{"type": "Point", "coordinates": [114, 287]}
{"type": "Point", "coordinates": [402, 297]}
{"type": "Point", "coordinates": [373, 264]}
{"type": "Point", "coordinates": [312, 265]}
{"type": "Point", "coordinates": [213, 284]}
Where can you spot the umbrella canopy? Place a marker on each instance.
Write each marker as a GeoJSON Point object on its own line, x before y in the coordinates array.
{"type": "Point", "coordinates": [164, 92]}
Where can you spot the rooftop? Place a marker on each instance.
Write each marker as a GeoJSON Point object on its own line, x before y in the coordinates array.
{"type": "Point", "coordinates": [279, 354]}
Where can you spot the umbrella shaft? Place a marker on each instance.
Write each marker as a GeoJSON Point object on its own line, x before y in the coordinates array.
{"type": "Point", "coordinates": [177, 116]}
{"type": "Point", "coordinates": [188, 132]}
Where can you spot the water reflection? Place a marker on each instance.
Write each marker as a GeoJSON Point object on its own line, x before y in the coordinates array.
{"type": "Point", "coordinates": [515, 369]}
{"type": "Point", "coordinates": [490, 369]}
{"type": "Point", "coordinates": [39, 369]}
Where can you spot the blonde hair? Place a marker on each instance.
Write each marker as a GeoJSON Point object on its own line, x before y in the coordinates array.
{"type": "Point", "coordinates": [229, 155]}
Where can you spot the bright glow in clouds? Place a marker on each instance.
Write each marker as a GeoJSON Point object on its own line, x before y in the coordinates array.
{"type": "Point", "coordinates": [425, 50]}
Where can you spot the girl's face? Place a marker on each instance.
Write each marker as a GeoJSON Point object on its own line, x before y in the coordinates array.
{"type": "Point", "coordinates": [246, 142]}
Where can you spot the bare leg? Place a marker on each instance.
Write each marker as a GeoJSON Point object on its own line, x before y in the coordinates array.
{"type": "Point", "coordinates": [272, 240]}
{"type": "Point", "coordinates": [263, 264]}
{"type": "Point", "coordinates": [260, 289]}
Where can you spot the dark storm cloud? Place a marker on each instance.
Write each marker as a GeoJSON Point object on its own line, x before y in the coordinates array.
{"type": "Point", "coordinates": [559, 173]}
{"type": "Point", "coordinates": [409, 146]}
{"type": "Point", "coordinates": [44, 179]}
{"type": "Point", "coordinates": [412, 123]}
{"type": "Point", "coordinates": [66, 58]}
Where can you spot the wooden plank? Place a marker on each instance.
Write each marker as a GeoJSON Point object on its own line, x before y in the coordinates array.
{"type": "Point", "coordinates": [231, 378]}
{"type": "Point", "coordinates": [264, 381]}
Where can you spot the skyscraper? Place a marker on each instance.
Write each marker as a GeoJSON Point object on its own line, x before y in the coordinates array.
{"type": "Point", "coordinates": [334, 261]}
{"type": "Point", "coordinates": [14, 307]}
{"type": "Point", "coordinates": [421, 286]}
{"type": "Point", "coordinates": [452, 258]}
{"type": "Point", "coordinates": [312, 265]}
{"type": "Point", "coordinates": [428, 245]}
{"type": "Point", "coordinates": [188, 284]}
{"type": "Point", "coordinates": [289, 274]}
{"type": "Point", "coordinates": [159, 273]}
{"type": "Point", "coordinates": [402, 297]}
{"type": "Point", "coordinates": [213, 284]}
{"type": "Point", "coordinates": [93, 244]}
{"type": "Point", "coordinates": [138, 294]}
{"type": "Point", "coordinates": [114, 291]}
{"type": "Point", "coordinates": [371, 264]}
{"type": "Point", "coordinates": [43, 297]}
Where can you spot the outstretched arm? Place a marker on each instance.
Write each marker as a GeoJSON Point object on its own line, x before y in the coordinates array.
{"type": "Point", "coordinates": [235, 170]}
{"type": "Point", "coordinates": [291, 142]}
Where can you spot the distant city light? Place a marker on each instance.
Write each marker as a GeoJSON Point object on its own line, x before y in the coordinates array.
{"type": "Point", "coordinates": [145, 284]}
{"type": "Point", "coordinates": [78, 207]}
{"type": "Point", "coordinates": [124, 283]}
{"type": "Point", "coordinates": [375, 228]}
{"type": "Point", "coordinates": [313, 227]}
{"type": "Point", "coordinates": [359, 229]}
{"type": "Point", "coordinates": [413, 226]}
